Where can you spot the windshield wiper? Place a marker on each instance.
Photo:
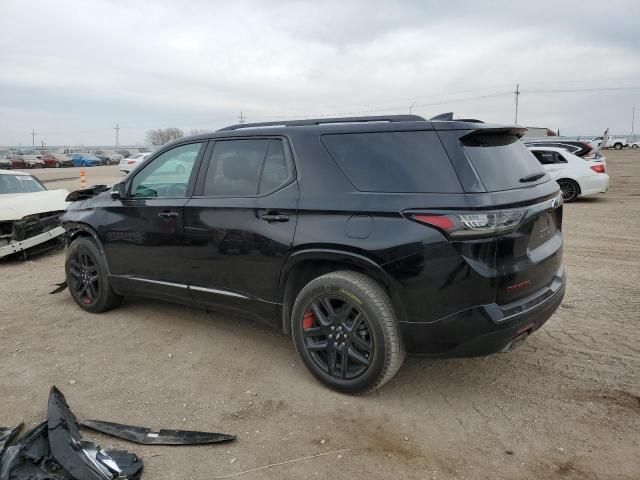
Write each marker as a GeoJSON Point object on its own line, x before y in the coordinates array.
{"type": "Point", "coordinates": [532, 178]}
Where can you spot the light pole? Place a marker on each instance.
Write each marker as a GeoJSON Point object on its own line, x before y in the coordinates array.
{"type": "Point", "coordinates": [517, 94]}
{"type": "Point", "coordinates": [633, 120]}
{"type": "Point", "coordinates": [411, 107]}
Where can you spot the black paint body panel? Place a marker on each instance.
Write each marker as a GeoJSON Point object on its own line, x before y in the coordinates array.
{"type": "Point", "coordinates": [220, 253]}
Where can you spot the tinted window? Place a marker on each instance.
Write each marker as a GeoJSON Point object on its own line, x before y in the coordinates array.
{"type": "Point", "coordinates": [501, 160]}
{"type": "Point", "coordinates": [545, 158]}
{"type": "Point", "coordinates": [19, 184]}
{"type": "Point", "coordinates": [168, 174]}
{"type": "Point", "coordinates": [235, 167]}
{"type": "Point", "coordinates": [275, 171]}
{"type": "Point", "coordinates": [394, 161]}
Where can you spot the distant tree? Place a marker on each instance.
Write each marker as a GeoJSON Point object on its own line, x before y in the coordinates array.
{"type": "Point", "coordinates": [160, 136]}
{"type": "Point", "coordinates": [198, 131]}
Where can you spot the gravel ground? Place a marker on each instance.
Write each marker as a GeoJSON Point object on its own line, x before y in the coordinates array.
{"type": "Point", "coordinates": [566, 405]}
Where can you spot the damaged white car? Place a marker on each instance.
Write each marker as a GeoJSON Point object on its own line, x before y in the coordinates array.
{"type": "Point", "coordinates": [29, 214]}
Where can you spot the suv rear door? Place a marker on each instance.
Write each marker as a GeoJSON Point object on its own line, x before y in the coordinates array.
{"type": "Point", "coordinates": [239, 225]}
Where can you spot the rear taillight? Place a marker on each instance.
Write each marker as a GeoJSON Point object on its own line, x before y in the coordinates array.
{"type": "Point", "coordinates": [473, 224]}
{"type": "Point", "coordinates": [131, 162]}
{"type": "Point", "coordinates": [600, 168]}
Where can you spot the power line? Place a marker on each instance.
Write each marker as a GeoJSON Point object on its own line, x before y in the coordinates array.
{"type": "Point", "coordinates": [380, 109]}
{"type": "Point", "coordinates": [574, 90]}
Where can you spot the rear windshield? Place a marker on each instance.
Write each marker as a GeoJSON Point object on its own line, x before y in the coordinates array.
{"type": "Point", "coordinates": [412, 162]}
{"type": "Point", "coordinates": [502, 160]}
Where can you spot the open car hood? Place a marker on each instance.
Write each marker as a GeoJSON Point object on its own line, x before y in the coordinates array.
{"type": "Point", "coordinates": [14, 206]}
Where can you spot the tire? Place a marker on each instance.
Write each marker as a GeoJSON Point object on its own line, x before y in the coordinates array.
{"type": "Point", "coordinates": [367, 349]}
{"type": "Point", "coordinates": [58, 165]}
{"type": "Point", "coordinates": [85, 265]}
{"type": "Point", "coordinates": [570, 189]}
{"type": "Point", "coordinates": [634, 146]}
{"type": "Point", "coordinates": [84, 164]}
{"type": "Point", "coordinates": [617, 146]}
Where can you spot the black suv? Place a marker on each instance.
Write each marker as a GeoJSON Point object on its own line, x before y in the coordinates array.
{"type": "Point", "coordinates": [362, 238]}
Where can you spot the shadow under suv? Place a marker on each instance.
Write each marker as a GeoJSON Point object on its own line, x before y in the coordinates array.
{"type": "Point", "coordinates": [362, 238]}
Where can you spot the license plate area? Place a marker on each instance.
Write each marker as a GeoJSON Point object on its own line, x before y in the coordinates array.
{"type": "Point", "coordinates": [543, 229]}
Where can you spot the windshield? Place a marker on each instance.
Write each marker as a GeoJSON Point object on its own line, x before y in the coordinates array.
{"type": "Point", "coordinates": [19, 184]}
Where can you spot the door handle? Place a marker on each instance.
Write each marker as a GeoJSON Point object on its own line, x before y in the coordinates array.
{"type": "Point", "coordinates": [274, 217]}
{"type": "Point", "coordinates": [168, 215]}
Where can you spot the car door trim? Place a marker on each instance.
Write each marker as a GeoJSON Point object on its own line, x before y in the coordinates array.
{"type": "Point", "coordinates": [219, 292]}
{"type": "Point", "coordinates": [157, 282]}
{"type": "Point", "coordinates": [190, 287]}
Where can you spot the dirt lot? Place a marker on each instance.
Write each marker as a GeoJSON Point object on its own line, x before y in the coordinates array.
{"type": "Point", "coordinates": [566, 405]}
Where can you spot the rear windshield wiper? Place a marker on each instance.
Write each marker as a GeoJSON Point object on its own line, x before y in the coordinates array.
{"type": "Point", "coordinates": [532, 178]}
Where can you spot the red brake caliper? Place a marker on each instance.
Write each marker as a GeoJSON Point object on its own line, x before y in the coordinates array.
{"type": "Point", "coordinates": [307, 320]}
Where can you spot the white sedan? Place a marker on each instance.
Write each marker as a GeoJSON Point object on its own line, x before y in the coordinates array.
{"type": "Point", "coordinates": [129, 164]}
{"type": "Point", "coordinates": [576, 176]}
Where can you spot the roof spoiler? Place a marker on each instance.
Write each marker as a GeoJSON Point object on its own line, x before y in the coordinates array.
{"type": "Point", "coordinates": [448, 117]}
{"type": "Point", "coordinates": [516, 131]}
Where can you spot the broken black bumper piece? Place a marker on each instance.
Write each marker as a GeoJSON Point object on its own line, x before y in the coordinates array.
{"type": "Point", "coordinates": [54, 450]}
{"type": "Point", "coordinates": [145, 436]}
{"type": "Point", "coordinates": [82, 460]}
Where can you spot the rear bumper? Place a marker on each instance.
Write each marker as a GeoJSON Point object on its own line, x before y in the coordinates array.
{"type": "Point", "coordinates": [485, 329]}
{"type": "Point", "coordinates": [595, 184]}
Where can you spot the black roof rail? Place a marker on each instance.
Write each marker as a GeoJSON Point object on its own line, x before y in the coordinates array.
{"type": "Point", "coordinates": [320, 121]}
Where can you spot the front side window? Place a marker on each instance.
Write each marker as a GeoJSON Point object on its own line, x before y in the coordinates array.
{"type": "Point", "coordinates": [168, 174]}
{"type": "Point", "coordinates": [247, 167]}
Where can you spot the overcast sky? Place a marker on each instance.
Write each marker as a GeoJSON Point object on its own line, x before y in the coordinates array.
{"type": "Point", "coordinates": [71, 70]}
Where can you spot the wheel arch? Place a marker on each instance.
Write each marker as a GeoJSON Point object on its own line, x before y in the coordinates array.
{"type": "Point", "coordinates": [571, 179]}
{"type": "Point", "coordinates": [303, 266]}
{"type": "Point", "coordinates": [77, 230]}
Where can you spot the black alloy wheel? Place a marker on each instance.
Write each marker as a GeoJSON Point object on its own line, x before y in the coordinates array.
{"type": "Point", "coordinates": [87, 277]}
{"type": "Point", "coordinates": [345, 330]}
{"type": "Point", "coordinates": [338, 337]}
{"type": "Point", "coordinates": [85, 280]}
{"type": "Point", "coordinates": [570, 190]}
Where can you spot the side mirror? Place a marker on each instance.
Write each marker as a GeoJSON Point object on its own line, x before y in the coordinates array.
{"type": "Point", "coordinates": [118, 191]}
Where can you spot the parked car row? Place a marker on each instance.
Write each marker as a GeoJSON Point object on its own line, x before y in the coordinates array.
{"type": "Point", "coordinates": [67, 157]}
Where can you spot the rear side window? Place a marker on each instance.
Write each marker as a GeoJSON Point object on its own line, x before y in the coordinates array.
{"type": "Point", "coordinates": [501, 160]}
{"type": "Point", "coordinates": [546, 157]}
{"type": "Point", "coordinates": [411, 162]}
{"type": "Point", "coordinates": [247, 167]}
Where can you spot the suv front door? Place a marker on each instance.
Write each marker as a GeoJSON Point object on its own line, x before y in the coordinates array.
{"type": "Point", "coordinates": [143, 231]}
{"type": "Point", "coordinates": [239, 225]}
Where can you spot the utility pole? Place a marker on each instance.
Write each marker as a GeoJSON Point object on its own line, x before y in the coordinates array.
{"type": "Point", "coordinates": [517, 94]}
{"type": "Point", "coordinates": [633, 121]}
{"type": "Point", "coordinates": [117, 129]}
{"type": "Point", "coordinates": [242, 118]}
{"type": "Point", "coordinates": [411, 107]}
{"type": "Point", "coordinates": [33, 138]}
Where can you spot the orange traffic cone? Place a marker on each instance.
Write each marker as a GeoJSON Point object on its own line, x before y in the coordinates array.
{"type": "Point", "coordinates": [83, 178]}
